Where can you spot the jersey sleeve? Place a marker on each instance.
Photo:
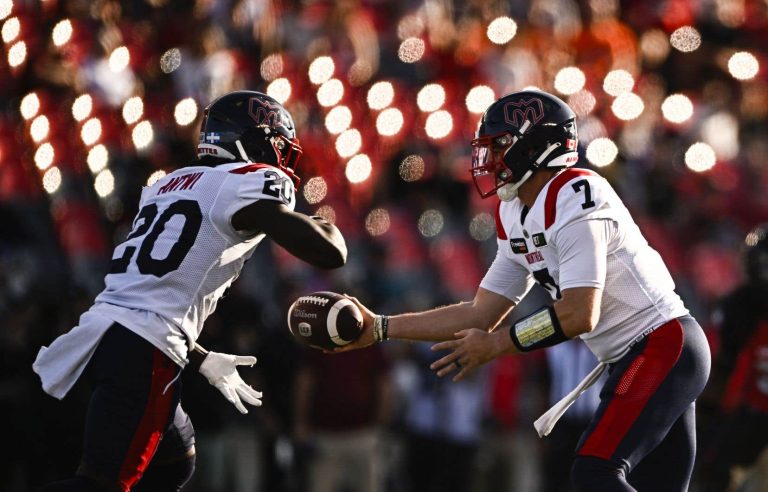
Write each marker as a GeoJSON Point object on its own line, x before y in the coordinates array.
{"type": "Point", "coordinates": [249, 184]}
{"type": "Point", "coordinates": [507, 278]}
{"type": "Point", "coordinates": [583, 250]}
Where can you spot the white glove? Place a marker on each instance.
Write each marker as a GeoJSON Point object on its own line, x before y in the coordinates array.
{"type": "Point", "coordinates": [221, 372]}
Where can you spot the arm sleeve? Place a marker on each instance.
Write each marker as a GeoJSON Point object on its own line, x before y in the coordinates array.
{"type": "Point", "coordinates": [507, 278]}
{"type": "Point", "coordinates": [583, 250]}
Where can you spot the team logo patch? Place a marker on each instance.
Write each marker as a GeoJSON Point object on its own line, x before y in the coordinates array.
{"type": "Point", "coordinates": [538, 240]}
{"type": "Point", "coordinates": [516, 112]}
{"type": "Point", "coordinates": [518, 245]}
{"type": "Point", "coordinates": [211, 137]}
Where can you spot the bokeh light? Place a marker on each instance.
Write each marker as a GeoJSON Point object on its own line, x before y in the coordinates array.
{"type": "Point", "coordinates": [6, 7]}
{"type": "Point", "coordinates": [271, 67]}
{"type": "Point", "coordinates": [569, 80]}
{"type": "Point", "coordinates": [349, 142]}
{"type": "Point", "coordinates": [17, 54]}
{"type": "Point", "coordinates": [380, 95]}
{"type": "Point", "coordinates": [439, 124]}
{"type": "Point", "coordinates": [338, 119]}
{"type": "Point", "coordinates": [411, 168]}
{"type": "Point", "coordinates": [627, 106]}
{"type": "Point", "coordinates": [39, 128]}
{"type": "Point", "coordinates": [98, 157]}
{"type": "Point", "coordinates": [431, 97]}
{"type": "Point", "coordinates": [156, 176]}
{"type": "Point", "coordinates": [602, 152]}
{"type": "Point", "coordinates": [677, 108]}
{"type": "Point", "coordinates": [52, 180]}
{"type": "Point", "coordinates": [90, 133]}
{"type": "Point", "coordinates": [119, 59]}
{"type": "Point", "coordinates": [743, 65]}
{"type": "Point", "coordinates": [279, 89]}
{"type": "Point", "coordinates": [104, 184]}
{"type": "Point", "coordinates": [685, 39]}
{"type": "Point", "coordinates": [582, 102]}
{"type": "Point", "coordinates": [44, 156]}
{"type": "Point", "coordinates": [479, 98]}
{"type": "Point", "coordinates": [11, 29]}
{"type": "Point", "coordinates": [654, 45]}
{"type": "Point", "coordinates": [377, 222]}
{"type": "Point", "coordinates": [185, 111]}
{"type": "Point", "coordinates": [358, 168]}
{"type": "Point", "coordinates": [618, 82]}
{"type": "Point", "coordinates": [321, 69]}
{"type": "Point", "coordinates": [315, 190]}
{"type": "Point", "coordinates": [501, 30]}
{"type": "Point", "coordinates": [389, 122]}
{"type": "Point", "coordinates": [133, 110]}
{"type": "Point", "coordinates": [142, 135]}
{"type": "Point", "coordinates": [170, 60]}
{"type": "Point", "coordinates": [431, 223]}
{"type": "Point", "coordinates": [411, 50]}
{"type": "Point", "coordinates": [30, 105]}
{"type": "Point", "coordinates": [62, 32]}
{"type": "Point", "coordinates": [482, 227]}
{"type": "Point", "coordinates": [327, 212]}
{"type": "Point", "coordinates": [82, 107]}
{"type": "Point", "coordinates": [700, 157]}
{"type": "Point", "coordinates": [330, 93]}
{"type": "Point", "coordinates": [721, 131]}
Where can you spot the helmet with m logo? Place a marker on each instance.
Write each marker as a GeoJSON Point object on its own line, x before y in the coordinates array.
{"type": "Point", "coordinates": [519, 134]}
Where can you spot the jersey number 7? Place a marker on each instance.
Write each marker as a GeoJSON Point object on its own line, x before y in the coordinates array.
{"type": "Point", "coordinates": [193, 218]}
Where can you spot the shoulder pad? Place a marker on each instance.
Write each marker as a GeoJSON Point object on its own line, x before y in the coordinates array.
{"type": "Point", "coordinates": [576, 194]}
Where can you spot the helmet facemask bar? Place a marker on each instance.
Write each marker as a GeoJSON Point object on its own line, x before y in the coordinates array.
{"type": "Point", "coordinates": [489, 171]}
{"type": "Point", "coordinates": [288, 152]}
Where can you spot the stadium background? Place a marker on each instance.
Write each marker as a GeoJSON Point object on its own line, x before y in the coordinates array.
{"type": "Point", "coordinates": [100, 97]}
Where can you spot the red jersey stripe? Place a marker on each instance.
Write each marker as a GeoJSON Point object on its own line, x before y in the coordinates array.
{"type": "Point", "coordinates": [249, 168]}
{"type": "Point", "coordinates": [550, 202]}
{"type": "Point", "coordinates": [500, 232]}
{"type": "Point", "coordinates": [637, 385]}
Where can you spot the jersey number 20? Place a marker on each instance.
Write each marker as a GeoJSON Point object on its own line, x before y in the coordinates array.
{"type": "Point", "coordinates": [193, 218]}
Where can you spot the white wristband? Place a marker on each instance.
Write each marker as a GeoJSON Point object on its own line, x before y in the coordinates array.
{"type": "Point", "coordinates": [380, 325]}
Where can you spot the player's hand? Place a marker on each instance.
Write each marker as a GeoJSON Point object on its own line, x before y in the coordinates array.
{"type": "Point", "coordinates": [366, 337]}
{"type": "Point", "coordinates": [470, 349]}
{"type": "Point", "coordinates": [221, 372]}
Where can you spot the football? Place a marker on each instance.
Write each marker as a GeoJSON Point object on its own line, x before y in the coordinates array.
{"type": "Point", "coordinates": [324, 320]}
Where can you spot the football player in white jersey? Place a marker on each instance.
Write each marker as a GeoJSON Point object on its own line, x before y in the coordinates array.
{"type": "Point", "coordinates": [566, 229]}
{"type": "Point", "coordinates": [195, 229]}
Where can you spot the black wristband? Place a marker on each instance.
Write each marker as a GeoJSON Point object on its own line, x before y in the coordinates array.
{"type": "Point", "coordinates": [538, 330]}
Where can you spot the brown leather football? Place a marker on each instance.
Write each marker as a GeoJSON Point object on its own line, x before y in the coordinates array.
{"type": "Point", "coordinates": [324, 320]}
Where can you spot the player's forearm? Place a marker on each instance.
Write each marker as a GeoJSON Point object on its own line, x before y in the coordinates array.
{"type": "Point", "coordinates": [434, 325]}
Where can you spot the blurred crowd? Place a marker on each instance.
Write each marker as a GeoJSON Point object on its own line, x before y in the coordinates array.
{"type": "Point", "coordinates": [100, 97]}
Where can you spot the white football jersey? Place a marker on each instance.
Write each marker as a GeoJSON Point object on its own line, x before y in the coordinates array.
{"type": "Point", "coordinates": [183, 252]}
{"type": "Point", "coordinates": [546, 244]}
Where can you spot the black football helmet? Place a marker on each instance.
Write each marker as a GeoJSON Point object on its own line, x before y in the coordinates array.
{"type": "Point", "coordinates": [249, 126]}
{"type": "Point", "coordinates": [519, 134]}
{"type": "Point", "coordinates": [756, 254]}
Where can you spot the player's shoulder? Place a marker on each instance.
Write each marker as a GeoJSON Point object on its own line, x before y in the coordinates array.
{"type": "Point", "coordinates": [507, 212]}
{"type": "Point", "coordinates": [573, 194]}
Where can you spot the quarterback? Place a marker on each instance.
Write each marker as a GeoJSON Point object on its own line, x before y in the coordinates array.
{"type": "Point", "coordinates": [567, 229]}
{"type": "Point", "coordinates": [194, 230]}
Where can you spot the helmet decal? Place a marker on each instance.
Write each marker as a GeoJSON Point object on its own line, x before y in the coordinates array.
{"type": "Point", "coordinates": [266, 113]}
{"type": "Point", "coordinates": [516, 112]}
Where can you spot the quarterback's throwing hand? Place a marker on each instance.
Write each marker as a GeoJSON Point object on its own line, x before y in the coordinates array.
{"type": "Point", "coordinates": [221, 372]}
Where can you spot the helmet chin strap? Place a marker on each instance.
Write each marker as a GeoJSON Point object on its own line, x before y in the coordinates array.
{"type": "Point", "coordinates": [241, 149]}
{"type": "Point", "coordinates": [508, 192]}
